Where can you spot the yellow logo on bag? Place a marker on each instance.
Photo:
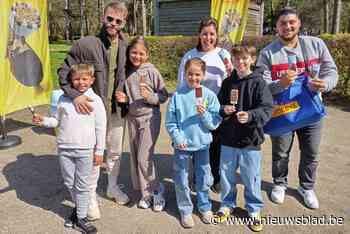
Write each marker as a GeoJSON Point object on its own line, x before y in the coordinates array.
{"type": "Point", "coordinates": [285, 109]}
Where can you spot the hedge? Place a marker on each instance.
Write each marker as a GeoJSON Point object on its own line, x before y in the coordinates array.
{"type": "Point", "coordinates": [167, 51]}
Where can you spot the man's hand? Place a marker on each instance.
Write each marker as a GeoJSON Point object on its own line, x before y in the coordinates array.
{"type": "Point", "coordinates": [121, 97]}
{"type": "Point", "coordinates": [229, 109]}
{"type": "Point", "coordinates": [182, 146]}
{"type": "Point", "coordinates": [288, 78]}
{"type": "Point", "coordinates": [98, 160]}
{"type": "Point", "coordinates": [242, 117]}
{"type": "Point", "coordinates": [81, 104]}
{"type": "Point", "coordinates": [317, 84]}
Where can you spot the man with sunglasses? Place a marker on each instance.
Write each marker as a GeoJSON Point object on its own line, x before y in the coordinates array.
{"type": "Point", "coordinates": [106, 52]}
{"type": "Point", "coordinates": [310, 54]}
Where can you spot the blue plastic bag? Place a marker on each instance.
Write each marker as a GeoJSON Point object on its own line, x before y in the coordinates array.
{"type": "Point", "coordinates": [295, 108]}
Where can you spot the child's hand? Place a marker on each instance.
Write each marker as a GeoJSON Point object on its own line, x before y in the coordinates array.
{"type": "Point", "coordinates": [37, 119]}
{"type": "Point", "coordinates": [181, 146]}
{"type": "Point", "coordinates": [121, 97]}
{"type": "Point", "coordinates": [229, 109]}
{"type": "Point", "coordinates": [200, 109]}
{"type": "Point", "coordinates": [98, 160]}
{"type": "Point", "coordinates": [145, 93]}
{"type": "Point", "coordinates": [242, 116]}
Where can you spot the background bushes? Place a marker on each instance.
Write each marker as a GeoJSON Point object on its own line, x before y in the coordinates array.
{"type": "Point", "coordinates": [167, 51]}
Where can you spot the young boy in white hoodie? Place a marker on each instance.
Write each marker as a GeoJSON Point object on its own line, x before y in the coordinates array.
{"type": "Point", "coordinates": [80, 143]}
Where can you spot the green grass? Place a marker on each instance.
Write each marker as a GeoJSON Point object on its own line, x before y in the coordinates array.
{"type": "Point", "coordinates": [59, 51]}
{"type": "Point", "coordinates": [57, 54]}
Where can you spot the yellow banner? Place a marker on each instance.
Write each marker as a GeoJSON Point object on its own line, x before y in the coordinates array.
{"type": "Point", "coordinates": [232, 18]}
{"type": "Point", "coordinates": [25, 77]}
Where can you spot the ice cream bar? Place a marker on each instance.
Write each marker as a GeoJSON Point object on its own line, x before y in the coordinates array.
{"type": "Point", "coordinates": [223, 57]}
{"type": "Point", "coordinates": [31, 110]}
{"type": "Point", "coordinates": [234, 96]}
{"type": "Point", "coordinates": [142, 79]}
{"type": "Point", "coordinates": [199, 92]}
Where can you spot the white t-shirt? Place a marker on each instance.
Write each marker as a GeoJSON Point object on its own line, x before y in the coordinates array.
{"type": "Point", "coordinates": [216, 70]}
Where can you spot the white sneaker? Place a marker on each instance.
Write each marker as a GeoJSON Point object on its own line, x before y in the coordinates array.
{"type": "Point", "coordinates": [187, 221]}
{"type": "Point", "coordinates": [144, 203]}
{"type": "Point", "coordinates": [278, 193]}
{"type": "Point", "coordinates": [158, 199]}
{"type": "Point", "coordinates": [310, 198]}
{"type": "Point", "coordinates": [93, 211]}
{"type": "Point", "coordinates": [118, 195]}
{"type": "Point", "coordinates": [207, 217]}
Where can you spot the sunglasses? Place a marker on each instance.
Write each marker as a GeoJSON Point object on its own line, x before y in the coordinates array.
{"type": "Point", "coordinates": [119, 22]}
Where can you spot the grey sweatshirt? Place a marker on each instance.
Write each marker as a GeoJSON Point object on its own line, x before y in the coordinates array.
{"type": "Point", "coordinates": [79, 131]}
{"type": "Point", "coordinates": [138, 106]}
{"type": "Point", "coordinates": [274, 60]}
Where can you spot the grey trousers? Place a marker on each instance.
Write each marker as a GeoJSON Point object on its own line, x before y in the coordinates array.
{"type": "Point", "coordinates": [76, 167]}
{"type": "Point", "coordinates": [309, 143]}
{"type": "Point", "coordinates": [143, 134]}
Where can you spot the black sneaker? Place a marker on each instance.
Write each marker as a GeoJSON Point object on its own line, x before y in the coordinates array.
{"type": "Point", "coordinates": [72, 219]}
{"type": "Point", "coordinates": [215, 188]}
{"type": "Point", "coordinates": [84, 226]}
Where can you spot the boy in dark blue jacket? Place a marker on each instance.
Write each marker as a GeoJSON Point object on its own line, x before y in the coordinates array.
{"type": "Point", "coordinates": [246, 106]}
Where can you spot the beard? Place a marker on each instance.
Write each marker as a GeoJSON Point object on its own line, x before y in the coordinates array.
{"type": "Point", "coordinates": [289, 38]}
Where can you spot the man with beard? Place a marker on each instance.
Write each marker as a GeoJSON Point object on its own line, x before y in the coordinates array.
{"type": "Point", "coordinates": [106, 52]}
{"type": "Point", "coordinates": [310, 53]}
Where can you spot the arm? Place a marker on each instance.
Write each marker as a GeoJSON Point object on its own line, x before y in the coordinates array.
{"type": "Point", "coordinates": [328, 69]}
{"type": "Point", "coordinates": [100, 127]}
{"type": "Point", "coordinates": [264, 62]}
{"type": "Point", "coordinates": [171, 124]}
{"type": "Point", "coordinates": [261, 114]}
{"type": "Point", "coordinates": [211, 117]}
{"type": "Point", "coordinates": [160, 94]}
{"type": "Point", "coordinates": [181, 80]}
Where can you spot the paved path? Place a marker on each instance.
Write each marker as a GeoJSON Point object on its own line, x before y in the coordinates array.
{"type": "Point", "coordinates": [33, 199]}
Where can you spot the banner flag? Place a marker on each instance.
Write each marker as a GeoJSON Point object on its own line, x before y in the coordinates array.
{"type": "Point", "coordinates": [25, 77]}
{"type": "Point", "coordinates": [232, 18]}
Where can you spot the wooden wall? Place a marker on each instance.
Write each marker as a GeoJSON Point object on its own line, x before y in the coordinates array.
{"type": "Point", "coordinates": [182, 17]}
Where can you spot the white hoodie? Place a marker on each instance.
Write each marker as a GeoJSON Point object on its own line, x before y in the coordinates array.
{"type": "Point", "coordinates": [79, 131]}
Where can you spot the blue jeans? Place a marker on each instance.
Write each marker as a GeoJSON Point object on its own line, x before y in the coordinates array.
{"type": "Point", "coordinates": [309, 139]}
{"type": "Point", "coordinates": [203, 177]}
{"type": "Point", "coordinates": [249, 163]}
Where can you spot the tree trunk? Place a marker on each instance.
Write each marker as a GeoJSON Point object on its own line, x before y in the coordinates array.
{"type": "Point", "coordinates": [336, 16]}
{"type": "Point", "coordinates": [144, 20]}
{"type": "Point", "coordinates": [82, 18]}
{"type": "Point", "coordinates": [325, 16]}
{"type": "Point", "coordinates": [135, 6]}
{"type": "Point", "coordinates": [66, 21]}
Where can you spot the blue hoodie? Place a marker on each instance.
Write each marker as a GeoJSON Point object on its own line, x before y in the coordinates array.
{"type": "Point", "coordinates": [185, 125]}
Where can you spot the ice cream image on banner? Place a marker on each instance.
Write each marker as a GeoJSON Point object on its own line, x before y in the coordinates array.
{"type": "Point", "coordinates": [26, 66]}
{"type": "Point", "coordinates": [229, 23]}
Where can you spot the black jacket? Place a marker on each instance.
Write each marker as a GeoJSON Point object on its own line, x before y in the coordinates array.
{"type": "Point", "coordinates": [93, 50]}
{"type": "Point", "coordinates": [256, 99]}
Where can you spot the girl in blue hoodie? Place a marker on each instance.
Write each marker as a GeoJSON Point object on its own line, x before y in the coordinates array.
{"type": "Point", "coordinates": [192, 113]}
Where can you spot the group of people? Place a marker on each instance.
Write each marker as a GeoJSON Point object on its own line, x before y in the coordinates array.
{"type": "Point", "coordinates": [216, 117]}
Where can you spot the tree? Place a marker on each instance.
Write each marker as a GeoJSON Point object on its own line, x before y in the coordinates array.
{"type": "Point", "coordinates": [144, 20]}
{"type": "Point", "coordinates": [67, 20]}
{"type": "Point", "coordinates": [336, 16]}
{"type": "Point", "coordinates": [325, 16]}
